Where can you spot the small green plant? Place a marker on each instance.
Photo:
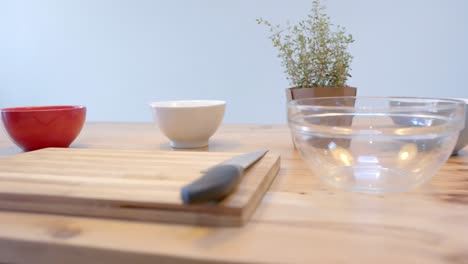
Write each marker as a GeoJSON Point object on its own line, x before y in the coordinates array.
{"type": "Point", "coordinates": [312, 54]}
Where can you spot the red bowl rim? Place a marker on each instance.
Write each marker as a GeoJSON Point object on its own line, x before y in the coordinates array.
{"type": "Point", "coordinates": [42, 108]}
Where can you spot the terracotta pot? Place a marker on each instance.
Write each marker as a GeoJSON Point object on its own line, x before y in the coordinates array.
{"type": "Point", "coordinates": [302, 93]}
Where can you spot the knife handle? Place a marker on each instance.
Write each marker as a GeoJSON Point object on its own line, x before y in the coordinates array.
{"type": "Point", "coordinates": [215, 184]}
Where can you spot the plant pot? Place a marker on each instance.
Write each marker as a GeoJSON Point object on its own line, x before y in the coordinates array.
{"type": "Point", "coordinates": [303, 93]}
{"type": "Point", "coordinates": [300, 93]}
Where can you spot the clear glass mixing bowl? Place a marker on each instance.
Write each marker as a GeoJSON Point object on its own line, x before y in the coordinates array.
{"type": "Point", "coordinates": [375, 144]}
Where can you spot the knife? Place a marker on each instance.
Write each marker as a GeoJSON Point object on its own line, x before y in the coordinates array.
{"type": "Point", "coordinates": [220, 180]}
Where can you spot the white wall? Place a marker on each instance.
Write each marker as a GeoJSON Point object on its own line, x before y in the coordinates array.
{"type": "Point", "coordinates": [115, 56]}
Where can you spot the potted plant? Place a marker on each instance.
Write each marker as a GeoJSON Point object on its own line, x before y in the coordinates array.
{"type": "Point", "coordinates": [314, 55]}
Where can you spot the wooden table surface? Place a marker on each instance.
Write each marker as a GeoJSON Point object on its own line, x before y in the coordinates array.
{"type": "Point", "coordinates": [299, 220]}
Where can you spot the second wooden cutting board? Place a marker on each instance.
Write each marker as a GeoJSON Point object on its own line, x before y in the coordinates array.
{"type": "Point", "coordinates": [139, 185]}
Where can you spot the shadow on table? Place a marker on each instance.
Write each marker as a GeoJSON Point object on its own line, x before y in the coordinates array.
{"type": "Point", "coordinates": [220, 145]}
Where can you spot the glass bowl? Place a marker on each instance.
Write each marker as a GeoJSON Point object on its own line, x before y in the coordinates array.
{"type": "Point", "coordinates": [375, 144]}
{"type": "Point", "coordinates": [463, 137]}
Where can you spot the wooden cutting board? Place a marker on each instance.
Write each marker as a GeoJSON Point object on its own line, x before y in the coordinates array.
{"type": "Point", "coordinates": [127, 184]}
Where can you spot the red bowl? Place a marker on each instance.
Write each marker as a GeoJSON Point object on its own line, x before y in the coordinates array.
{"type": "Point", "coordinates": [39, 127]}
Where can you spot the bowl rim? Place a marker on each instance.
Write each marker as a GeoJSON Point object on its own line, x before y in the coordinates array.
{"type": "Point", "coordinates": [43, 108]}
{"type": "Point", "coordinates": [296, 116]}
{"type": "Point", "coordinates": [461, 99]}
{"type": "Point", "coordinates": [451, 103]}
{"type": "Point", "coordinates": [187, 103]}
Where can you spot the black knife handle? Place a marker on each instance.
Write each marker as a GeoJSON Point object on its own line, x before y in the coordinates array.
{"type": "Point", "coordinates": [214, 184]}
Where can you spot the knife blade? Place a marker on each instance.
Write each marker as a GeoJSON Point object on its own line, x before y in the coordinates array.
{"type": "Point", "coordinates": [220, 180]}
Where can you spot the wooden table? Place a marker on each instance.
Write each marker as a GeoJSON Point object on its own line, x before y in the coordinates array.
{"type": "Point", "coordinates": [299, 221]}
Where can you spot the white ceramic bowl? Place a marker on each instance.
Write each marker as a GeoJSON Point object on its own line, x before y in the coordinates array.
{"type": "Point", "coordinates": [188, 123]}
{"type": "Point", "coordinates": [463, 136]}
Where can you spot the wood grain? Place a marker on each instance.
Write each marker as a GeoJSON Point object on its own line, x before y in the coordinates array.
{"type": "Point", "coordinates": [138, 185]}
{"type": "Point", "coordinates": [299, 220]}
